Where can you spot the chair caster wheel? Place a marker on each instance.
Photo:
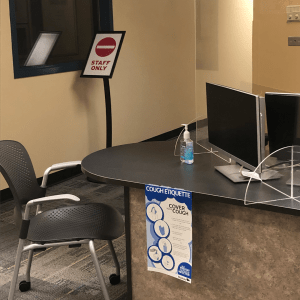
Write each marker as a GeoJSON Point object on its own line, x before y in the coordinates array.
{"type": "Point", "coordinates": [114, 279]}
{"type": "Point", "coordinates": [24, 286]}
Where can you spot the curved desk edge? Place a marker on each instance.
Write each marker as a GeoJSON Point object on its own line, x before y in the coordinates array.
{"type": "Point", "coordinates": [115, 181]}
{"type": "Point", "coordinates": [220, 199]}
{"type": "Point", "coordinates": [134, 165]}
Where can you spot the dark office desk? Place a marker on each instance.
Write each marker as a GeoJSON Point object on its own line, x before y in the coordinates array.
{"type": "Point", "coordinates": [239, 252]}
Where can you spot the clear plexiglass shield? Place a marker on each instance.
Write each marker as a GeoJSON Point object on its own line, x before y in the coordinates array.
{"type": "Point", "coordinates": [279, 183]}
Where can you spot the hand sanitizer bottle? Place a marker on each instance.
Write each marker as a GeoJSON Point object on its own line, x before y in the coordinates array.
{"type": "Point", "coordinates": [186, 147]}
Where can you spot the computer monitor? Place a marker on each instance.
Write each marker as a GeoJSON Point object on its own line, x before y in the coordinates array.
{"type": "Point", "coordinates": [282, 111]}
{"type": "Point", "coordinates": [236, 128]}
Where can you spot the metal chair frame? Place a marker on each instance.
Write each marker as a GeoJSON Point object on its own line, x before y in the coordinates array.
{"type": "Point", "coordinates": [33, 246]}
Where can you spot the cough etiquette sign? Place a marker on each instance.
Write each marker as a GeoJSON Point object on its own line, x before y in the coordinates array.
{"type": "Point", "coordinates": [103, 54]}
{"type": "Point", "coordinates": [169, 231]}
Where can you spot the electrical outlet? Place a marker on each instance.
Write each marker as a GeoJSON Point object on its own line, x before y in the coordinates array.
{"type": "Point", "coordinates": [293, 13]}
{"type": "Point", "coordinates": [294, 41]}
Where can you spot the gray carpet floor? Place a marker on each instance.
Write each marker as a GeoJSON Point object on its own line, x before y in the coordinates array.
{"type": "Point", "coordinates": [63, 273]}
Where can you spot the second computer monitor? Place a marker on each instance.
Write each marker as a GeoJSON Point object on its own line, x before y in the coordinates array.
{"type": "Point", "coordinates": [236, 124]}
{"type": "Point", "coordinates": [282, 110]}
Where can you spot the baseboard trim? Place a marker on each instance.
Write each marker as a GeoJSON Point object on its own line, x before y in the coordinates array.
{"type": "Point", "coordinates": [60, 176]}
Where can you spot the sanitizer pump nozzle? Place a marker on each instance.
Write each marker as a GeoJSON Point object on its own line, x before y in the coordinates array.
{"type": "Point", "coordinates": [186, 134]}
{"type": "Point", "coordinates": [186, 147]}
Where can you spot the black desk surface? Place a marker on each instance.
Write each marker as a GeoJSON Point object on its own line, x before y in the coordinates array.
{"type": "Point", "coordinates": [135, 165]}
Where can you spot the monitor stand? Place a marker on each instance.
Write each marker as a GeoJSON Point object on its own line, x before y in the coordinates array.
{"type": "Point", "coordinates": [233, 173]}
{"type": "Point", "coordinates": [296, 179]}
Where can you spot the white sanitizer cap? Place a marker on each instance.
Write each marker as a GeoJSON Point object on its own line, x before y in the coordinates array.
{"type": "Point", "coordinates": [186, 134]}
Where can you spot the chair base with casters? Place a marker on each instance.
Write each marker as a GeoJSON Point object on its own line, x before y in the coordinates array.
{"type": "Point", "coordinates": [66, 226]}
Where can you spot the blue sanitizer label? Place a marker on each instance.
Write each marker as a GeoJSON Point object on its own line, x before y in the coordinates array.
{"type": "Point", "coordinates": [189, 154]}
{"type": "Point", "coordinates": [169, 231]}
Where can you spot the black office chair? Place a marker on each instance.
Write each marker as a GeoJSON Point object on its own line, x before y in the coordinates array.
{"type": "Point", "coordinates": [67, 226]}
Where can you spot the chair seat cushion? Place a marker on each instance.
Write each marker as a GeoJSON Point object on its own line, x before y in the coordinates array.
{"type": "Point", "coordinates": [88, 221]}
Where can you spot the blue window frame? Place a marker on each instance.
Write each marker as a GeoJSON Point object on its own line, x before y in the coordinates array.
{"type": "Point", "coordinates": [102, 14]}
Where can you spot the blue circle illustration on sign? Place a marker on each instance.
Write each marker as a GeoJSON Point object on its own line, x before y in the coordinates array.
{"type": "Point", "coordinates": [168, 262]}
{"type": "Point", "coordinates": [154, 212]}
{"type": "Point", "coordinates": [161, 228]}
{"type": "Point", "coordinates": [154, 254]}
{"type": "Point", "coordinates": [164, 245]}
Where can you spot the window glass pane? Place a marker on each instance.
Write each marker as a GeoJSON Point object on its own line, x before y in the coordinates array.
{"type": "Point", "coordinates": [78, 20]}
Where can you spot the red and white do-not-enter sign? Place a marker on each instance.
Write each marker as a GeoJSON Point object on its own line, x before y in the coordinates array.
{"type": "Point", "coordinates": [103, 55]}
{"type": "Point", "coordinates": [105, 47]}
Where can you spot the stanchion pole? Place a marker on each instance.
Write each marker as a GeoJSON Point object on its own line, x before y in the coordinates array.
{"type": "Point", "coordinates": [108, 113]}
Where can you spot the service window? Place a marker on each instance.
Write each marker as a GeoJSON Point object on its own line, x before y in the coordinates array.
{"type": "Point", "coordinates": [77, 20]}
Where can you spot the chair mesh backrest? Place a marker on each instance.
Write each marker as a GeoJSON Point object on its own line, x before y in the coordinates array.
{"type": "Point", "coordinates": [17, 169]}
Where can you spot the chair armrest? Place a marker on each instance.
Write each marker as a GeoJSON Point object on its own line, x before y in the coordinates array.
{"type": "Point", "coordinates": [59, 166]}
{"type": "Point", "coordinates": [49, 198]}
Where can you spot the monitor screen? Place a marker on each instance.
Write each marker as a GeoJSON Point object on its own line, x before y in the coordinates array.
{"type": "Point", "coordinates": [234, 124]}
{"type": "Point", "coordinates": [282, 111]}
